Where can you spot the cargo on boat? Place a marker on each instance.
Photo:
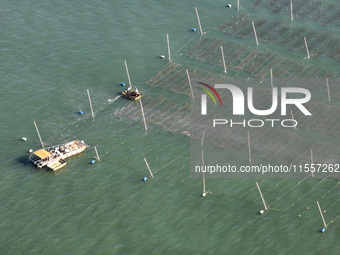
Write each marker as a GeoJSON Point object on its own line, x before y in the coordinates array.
{"type": "Point", "coordinates": [132, 95]}
{"type": "Point", "coordinates": [53, 157]}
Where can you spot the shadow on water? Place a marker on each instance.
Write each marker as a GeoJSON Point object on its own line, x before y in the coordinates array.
{"type": "Point", "coordinates": [24, 160]}
{"type": "Point", "coordinates": [28, 166]}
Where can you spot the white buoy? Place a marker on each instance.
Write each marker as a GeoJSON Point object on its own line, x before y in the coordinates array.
{"type": "Point", "coordinates": [261, 212]}
{"type": "Point", "coordinates": [24, 138]}
{"type": "Point", "coordinates": [229, 5]}
{"type": "Point", "coordinates": [30, 151]}
{"type": "Point", "coordinates": [204, 194]}
{"type": "Point", "coordinates": [162, 57]}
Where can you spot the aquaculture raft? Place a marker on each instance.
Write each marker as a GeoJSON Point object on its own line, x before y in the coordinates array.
{"type": "Point", "coordinates": [53, 157]}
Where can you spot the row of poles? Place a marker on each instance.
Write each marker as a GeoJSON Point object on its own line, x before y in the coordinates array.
{"type": "Point", "coordinates": [192, 94]}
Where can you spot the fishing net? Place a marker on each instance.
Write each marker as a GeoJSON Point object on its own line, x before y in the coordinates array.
{"type": "Point", "coordinates": [167, 101]}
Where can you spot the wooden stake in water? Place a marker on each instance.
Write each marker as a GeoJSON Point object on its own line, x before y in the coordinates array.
{"type": "Point", "coordinates": [148, 167]}
{"type": "Point", "coordinates": [167, 40]}
{"type": "Point", "coordinates": [271, 78]}
{"type": "Point", "coordinates": [36, 128]}
{"type": "Point", "coordinates": [257, 41]}
{"type": "Point", "coordinates": [311, 160]}
{"type": "Point", "coordinates": [263, 201]}
{"type": "Point", "coordinates": [311, 156]}
{"type": "Point", "coordinates": [199, 22]}
{"type": "Point", "coordinates": [225, 67]}
{"type": "Point", "coordinates": [327, 85]}
{"type": "Point", "coordinates": [95, 148]}
{"type": "Point", "coordinates": [204, 192]}
{"type": "Point", "coordinates": [308, 56]}
{"type": "Point", "coordinates": [192, 92]}
{"type": "Point", "coordinates": [323, 219]}
{"type": "Point", "coordinates": [291, 10]}
{"type": "Point", "coordinates": [249, 146]}
{"type": "Point", "coordinates": [88, 94]}
{"type": "Point", "coordinates": [291, 113]}
{"type": "Point", "coordinates": [203, 138]}
{"type": "Point", "coordinates": [128, 75]}
{"type": "Point", "coordinates": [238, 4]}
{"type": "Point", "coordinates": [141, 106]}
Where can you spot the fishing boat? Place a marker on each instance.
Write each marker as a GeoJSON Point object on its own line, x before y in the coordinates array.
{"type": "Point", "coordinates": [54, 157]}
{"type": "Point", "coordinates": [132, 95]}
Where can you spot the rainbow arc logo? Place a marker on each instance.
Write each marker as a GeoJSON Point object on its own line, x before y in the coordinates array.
{"type": "Point", "coordinates": [204, 97]}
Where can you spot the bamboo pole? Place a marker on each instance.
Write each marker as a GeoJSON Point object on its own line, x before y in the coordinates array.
{"type": "Point", "coordinates": [328, 92]}
{"type": "Point", "coordinates": [88, 94]}
{"type": "Point", "coordinates": [291, 113]}
{"type": "Point", "coordinates": [141, 106]}
{"type": "Point", "coordinates": [308, 56]}
{"type": "Point", "coordinates": [238, 4]}
{"type": "Point", "coordinates": [203, 138]}
{"type": "Point", "coordinates": [225, 67]}
{"type": "Point", "coordinates": [249, 146]}
{"type": "Point", "coordinates": [311, 156]}
{"type": "Point", "coordinates": [263, 201]}
{"type": "Point", "coordinates": [167, 40]}
{"type": "Point", "coordinates": [257, 41]}
{"type": "Point", "coordinates": [36, 128]}
{"type": "Point", "coordinates": [95, 148]}
{"type": "Point", "coordinates": [199, 22]}
{"type": "Point", "coordinates": [148, 167]}
{"type": "Point", "coordinates": [323, 219]}
{"type": "Point", "coordinates": [128, 75]}
{"type": "Point", "coordinates": [291, 10]}
{"type": "Point", "coordinates": [204, 191]}
{"type": "Point", "coordinates": [192, 92]}
{"type": "Point", "coordinates": [311, 160]}
{"type": "Point", "coordinates": [271, 78]}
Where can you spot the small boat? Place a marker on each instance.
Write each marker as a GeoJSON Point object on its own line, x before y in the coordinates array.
{"type": "Point", "coordinates": [53, 157]}
{"type": "Point", "coordinates": [132, 95]}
